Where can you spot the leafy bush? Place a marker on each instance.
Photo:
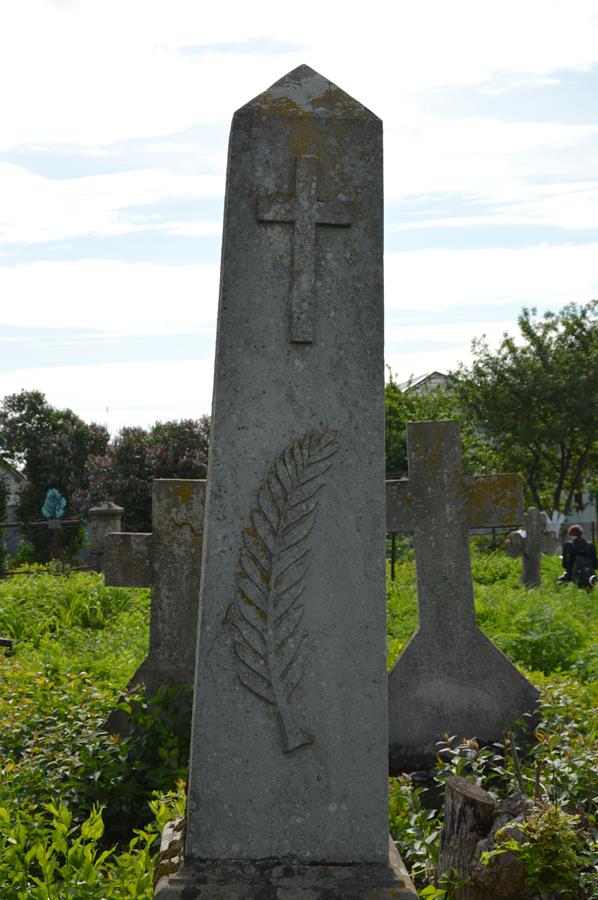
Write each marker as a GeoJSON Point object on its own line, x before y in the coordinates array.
{"type": "Point", "coordinates": [55, 744]}
{"type": "Point", "coordinates": [77, 816]}
{"type": "Point", "coordinates": [557, 770]}
{"type": "Point", "coordinates": [552, 632]}
{"type": "Point", "coordinates": [79, 642]}
{"type": "Point", "coordinates": [548, 844]}
{"type": "Point", "coordinates": [44, 855]}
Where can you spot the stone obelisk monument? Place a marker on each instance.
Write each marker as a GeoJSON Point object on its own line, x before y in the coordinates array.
{"type": "Point", "coordinates": [288, 781]}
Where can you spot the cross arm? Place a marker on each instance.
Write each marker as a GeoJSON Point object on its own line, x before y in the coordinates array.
{"type": "Point", "coordinates": [495, 500]}
{"type": "Point", "coordinates": [335, 212]}
{"type": "Point", "coordinates": [400, 506]}
{"type": "Point", "coordinates": [127, 559]}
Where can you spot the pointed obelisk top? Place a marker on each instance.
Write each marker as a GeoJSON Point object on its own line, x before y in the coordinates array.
{"type": "Point", "coordinates": [304, 92]}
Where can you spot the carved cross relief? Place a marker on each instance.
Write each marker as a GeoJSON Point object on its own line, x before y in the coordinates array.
{"type": "Point", "coordinates": [305, 212]}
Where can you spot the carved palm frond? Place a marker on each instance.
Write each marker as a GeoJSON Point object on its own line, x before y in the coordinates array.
{"type": "Point", "coordinates": [273, 564]}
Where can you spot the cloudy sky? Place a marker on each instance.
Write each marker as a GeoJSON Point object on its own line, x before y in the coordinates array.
{"type": "Point", "coordinates": [114, 118]}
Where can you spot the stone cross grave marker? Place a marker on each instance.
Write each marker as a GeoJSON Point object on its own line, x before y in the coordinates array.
{"type": "Point", "coordinates": [169, 561]}
{"type": "Point", "coordinates": [450, 676]}
{"type": "Point", "coordinates": [530, 542]}
{"type": "Point", "coordinates": [287, 787]}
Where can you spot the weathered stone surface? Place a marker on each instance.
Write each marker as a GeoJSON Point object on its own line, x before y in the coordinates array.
{"type": "Point", "coordinates": [289, 757]}
{"type": "Point", "coordinates": [530, 543]}
{"type": "Point", "coordinates": [128, 559]}
{"type": "Point", "coordinates": [169, 561]}
{"type": "Point", "coordinates": [275, 879]}
{"type": "Point", "coordinates": [450, 676]}
{"type": "Point", "coordinates": [104, 519]}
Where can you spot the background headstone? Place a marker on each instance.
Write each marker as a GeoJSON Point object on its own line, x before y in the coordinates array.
{"type": "Point", "coordinates": [104, 519]}
{"type": "Point", "coordinates": [169, 561]}
{"type": "Point", "coordinates": [450, 676]}
{"type": "Point", "coordinates": [530, 542]}
{"type": "Point", "coordinates": [288, 782]}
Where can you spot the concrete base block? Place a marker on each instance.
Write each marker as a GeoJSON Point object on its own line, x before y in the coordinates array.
{"type": "Point", "coordinates": [276, 879]}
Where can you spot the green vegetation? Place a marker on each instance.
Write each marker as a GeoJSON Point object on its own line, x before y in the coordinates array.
{"type": "Point", "coordinates": [81, 811]}
{"type": "Point", "coordinates": [525, 406]}
{"type": "Point", "coordinates": [55, 449]}
{"type": "Point", "coordinates": [551, 632]}
{"type": "Point", "coordinates": [50, 447]}
{"type": "Point", "coordinates": [552, 441]}
{"type": "Point", "coordinates": [552, 628]}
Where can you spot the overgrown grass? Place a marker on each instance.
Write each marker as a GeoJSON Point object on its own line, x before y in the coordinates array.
{"type": "Point", "coordinates": [548, 629]}
{"type": "Point", "coordinates": [78, 815]}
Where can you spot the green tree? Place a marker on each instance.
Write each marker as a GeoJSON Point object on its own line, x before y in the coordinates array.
{"type": "Point", "coordinates": [51, 447]}
{"type": "Point", "coordinates": [124, 473]}
{"type": "Point", "coordinates": [402, 406]}
{"type": "Point", "coordinates": [179, 449]}
{"type": "Point", "coordinates": [534, 399]}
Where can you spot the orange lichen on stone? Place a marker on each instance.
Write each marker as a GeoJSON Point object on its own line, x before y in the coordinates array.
{"type": "Point", "coordinates": [284, 106]}
{"type": "Point", "coordinates": [494, 492]}
{"type": "Point", "coordinates": [183, 490]}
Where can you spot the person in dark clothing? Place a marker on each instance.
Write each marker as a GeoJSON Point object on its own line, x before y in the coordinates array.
{"type": "Point", "coordinates": [579, 559]}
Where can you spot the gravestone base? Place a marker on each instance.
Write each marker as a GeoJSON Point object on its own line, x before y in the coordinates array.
{"type": "Point", "coordinates": [469, 689]}
{"type": "Point", "coordinates": [276, 879]}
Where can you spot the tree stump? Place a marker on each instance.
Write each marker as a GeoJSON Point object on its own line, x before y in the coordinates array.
{"type": "Point", "coordinates": [471, 819]}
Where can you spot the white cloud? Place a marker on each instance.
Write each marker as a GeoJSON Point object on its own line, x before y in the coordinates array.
{"type": "Point", "coordinates": [546, 276]}
{"type": "Point", "coordinates": [36, 209]}
{"type": "Point", "coordinates": [425, 155]}
{"type": "Point", "coordinates": [447, 343]}
{"type": "Point", "coordinates": [110, 296]}
{"type": "Point", "coordinates": [122, 394]}
{"type": "Point", "coordinates": [98, 72]}
{"type": "Point", "coordinates": [568, 205]}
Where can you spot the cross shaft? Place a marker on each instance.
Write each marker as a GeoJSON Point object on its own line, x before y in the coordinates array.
{"type": "Point", "coordinates": [439, 504]}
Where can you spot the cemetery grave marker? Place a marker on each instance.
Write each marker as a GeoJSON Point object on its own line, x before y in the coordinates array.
{"type": "Point", "coordinates": [169, 561]}
{"type": "Point", "coordinates": [287, 792]}
{"type": "Point", "coordinates": [450, 676]}
{"type": "Point", "coordinates": [530, 542]}
{"type": "Point", "coordinates": [104, 519]}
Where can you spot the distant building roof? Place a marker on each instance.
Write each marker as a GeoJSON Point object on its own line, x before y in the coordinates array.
{"type": "Point", "coordinates": [10, 470]}
{"type": "Point", "coordinates": [424, 383]}
{"type": "Point", "coordinates": [13, 480]}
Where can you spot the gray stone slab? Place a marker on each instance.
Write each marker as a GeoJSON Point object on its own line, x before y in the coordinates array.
{"type": "Point", "coordinates": [289, 752]}
{"type": "Point", "coordinates": [128, 559]}
{"type": "Point", "coordinates": [169, 561]}
{"type": "Point", "coordinates": [104, 519]}
{"type": "Point", "coordinates": [530, 542]}
{"type": "Point", "coordinates": [450, 676]}
{"type": "Point", "coordinates": [273, 880]}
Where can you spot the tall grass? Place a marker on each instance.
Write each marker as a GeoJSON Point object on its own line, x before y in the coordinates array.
{"type": "Point", "coordinates": [547, 629]}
